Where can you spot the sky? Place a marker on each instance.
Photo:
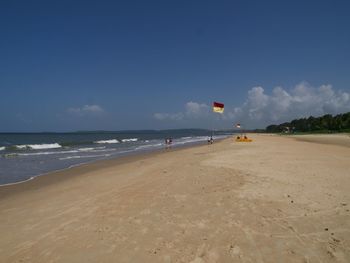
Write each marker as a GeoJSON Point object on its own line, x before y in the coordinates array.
{"type": "Point", "coordinates": [121, 65]}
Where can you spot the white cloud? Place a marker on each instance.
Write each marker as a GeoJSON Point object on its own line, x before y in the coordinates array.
{"type": "Point", "coordinates": [193, 110]}
{"type": "Point", "coordinates": [257, 101]}
{"type": "Point", "coordinates": [86, 110]}
{"type": "Point", "coordinates": [196, 110]}
{"type": "Point", "coordinates": [261, 109]}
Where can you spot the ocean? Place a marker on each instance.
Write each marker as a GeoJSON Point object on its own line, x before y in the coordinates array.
{"type": "Point", "coordinates": [24, 156]}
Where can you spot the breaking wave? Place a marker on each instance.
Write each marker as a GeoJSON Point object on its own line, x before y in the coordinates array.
{"type": "Point", "coordinates": [148, 146]}
{"type": "Point", "coordinates": [107, 141]}
{"type": "Point", "coordinates": [82, 150]}
{"type": "Point", "coordinates": [38, 146]}
{"type": "Point", "coordinates": [130, 140]}
{"type": "Point", "coordinates": [83, 156]}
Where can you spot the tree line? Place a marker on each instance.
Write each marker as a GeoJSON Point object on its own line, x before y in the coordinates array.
{"type": "Point", "coordinates": [326, 123]}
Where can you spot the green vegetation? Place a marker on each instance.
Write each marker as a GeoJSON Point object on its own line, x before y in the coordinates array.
{"type": "Point", "coordinates": [324, 124]}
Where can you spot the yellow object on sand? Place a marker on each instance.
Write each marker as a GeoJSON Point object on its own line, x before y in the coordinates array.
{"type": "Point", "coordinates": [243, 139]}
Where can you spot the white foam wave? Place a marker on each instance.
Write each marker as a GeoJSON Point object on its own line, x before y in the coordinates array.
{"type": "Point", "coordinates": [196, 139]}
{"type": "Point", "coordinates": [39, 146]}
{"type": "Point", "coordinates": [83, 156]}
{"type": "Point", "coordinates": [190, 140]}
{"type": "Point", "coordinates": [97, 149]}
{"type": "Point", "coordinates": [47, 153]}
{"type": "Point", "coordinates": [21, 146]}
{"type": "Point", "coordinates": [148, 146]}
{"type": "Point", "coordinates": [2, 148]}
{"type": "Point", "coordinates": [104, 150]}
{"type": "Point", "coordinates": [126, 151]}
{"type": "Point", "coordinates": [31, 178]}
{"type": "Point", "coordinates": [130, 140]}
{"type": "Point", "coordinates": [107, 141]}
{"type": "Point", "coordinates": [89, 149]}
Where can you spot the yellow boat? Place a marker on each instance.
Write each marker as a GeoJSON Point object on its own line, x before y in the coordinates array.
{"type": "Point", "coordinates": [243, 139]}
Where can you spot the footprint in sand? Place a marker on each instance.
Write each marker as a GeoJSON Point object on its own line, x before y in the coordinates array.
{"type": "Point", "coordinates": [235, 251]}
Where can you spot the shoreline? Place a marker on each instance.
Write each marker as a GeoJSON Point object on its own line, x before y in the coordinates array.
{"type": "Point", "coordinates": [79, 169]}
{"type": "Point", "coordinates": [125, 154]}
{"type": "Point", "coordinates": [309, 138]}
{"type": "Point", "coordinates": [275, 199]}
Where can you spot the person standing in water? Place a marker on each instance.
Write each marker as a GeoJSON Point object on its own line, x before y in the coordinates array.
{"type": "Point", "coordinates": [168, 142]}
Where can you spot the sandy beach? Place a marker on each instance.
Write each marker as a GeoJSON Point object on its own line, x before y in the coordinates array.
{"type": "Point", "coordinates": [277, 199]}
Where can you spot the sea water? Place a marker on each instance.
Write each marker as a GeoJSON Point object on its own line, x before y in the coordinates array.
{"type": "Point", "coordinates": [26, 155]}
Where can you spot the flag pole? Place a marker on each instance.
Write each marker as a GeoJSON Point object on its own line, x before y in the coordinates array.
{"type": "Point", "coordinates": [212, 122]}
{"type": "Point", "coordinates": [212, 125]}
{"type": "Point", "coordinates": [239, 127]}
{"type": "Point", "coordinates": [219, 108]}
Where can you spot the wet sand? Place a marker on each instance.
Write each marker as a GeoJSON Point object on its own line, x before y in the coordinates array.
{"type": "Point", "coordinates": [277, 199]}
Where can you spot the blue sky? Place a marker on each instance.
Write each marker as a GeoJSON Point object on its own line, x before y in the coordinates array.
{"type": "Point", "coordinates": [115, 65]}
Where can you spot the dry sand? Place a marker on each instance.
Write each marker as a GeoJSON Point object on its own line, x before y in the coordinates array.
{"type": "Point", "coordinates": [277, 199]}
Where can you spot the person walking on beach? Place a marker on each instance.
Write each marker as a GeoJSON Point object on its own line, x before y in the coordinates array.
{"type": "Point", "coordinates": [168, 142]}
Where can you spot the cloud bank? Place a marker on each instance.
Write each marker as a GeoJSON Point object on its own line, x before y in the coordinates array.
{"type": "Point", "coordinates": [86, 110]}
{"type": "Point", "coordinates": [261, 109]}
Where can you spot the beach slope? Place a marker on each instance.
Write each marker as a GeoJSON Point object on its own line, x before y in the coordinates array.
{"type": "Point", "coordinates": [276, 199]}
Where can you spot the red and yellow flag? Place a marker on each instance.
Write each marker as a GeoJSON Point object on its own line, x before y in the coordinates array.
{"type": "Point", "coordinates": [218, 107]}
